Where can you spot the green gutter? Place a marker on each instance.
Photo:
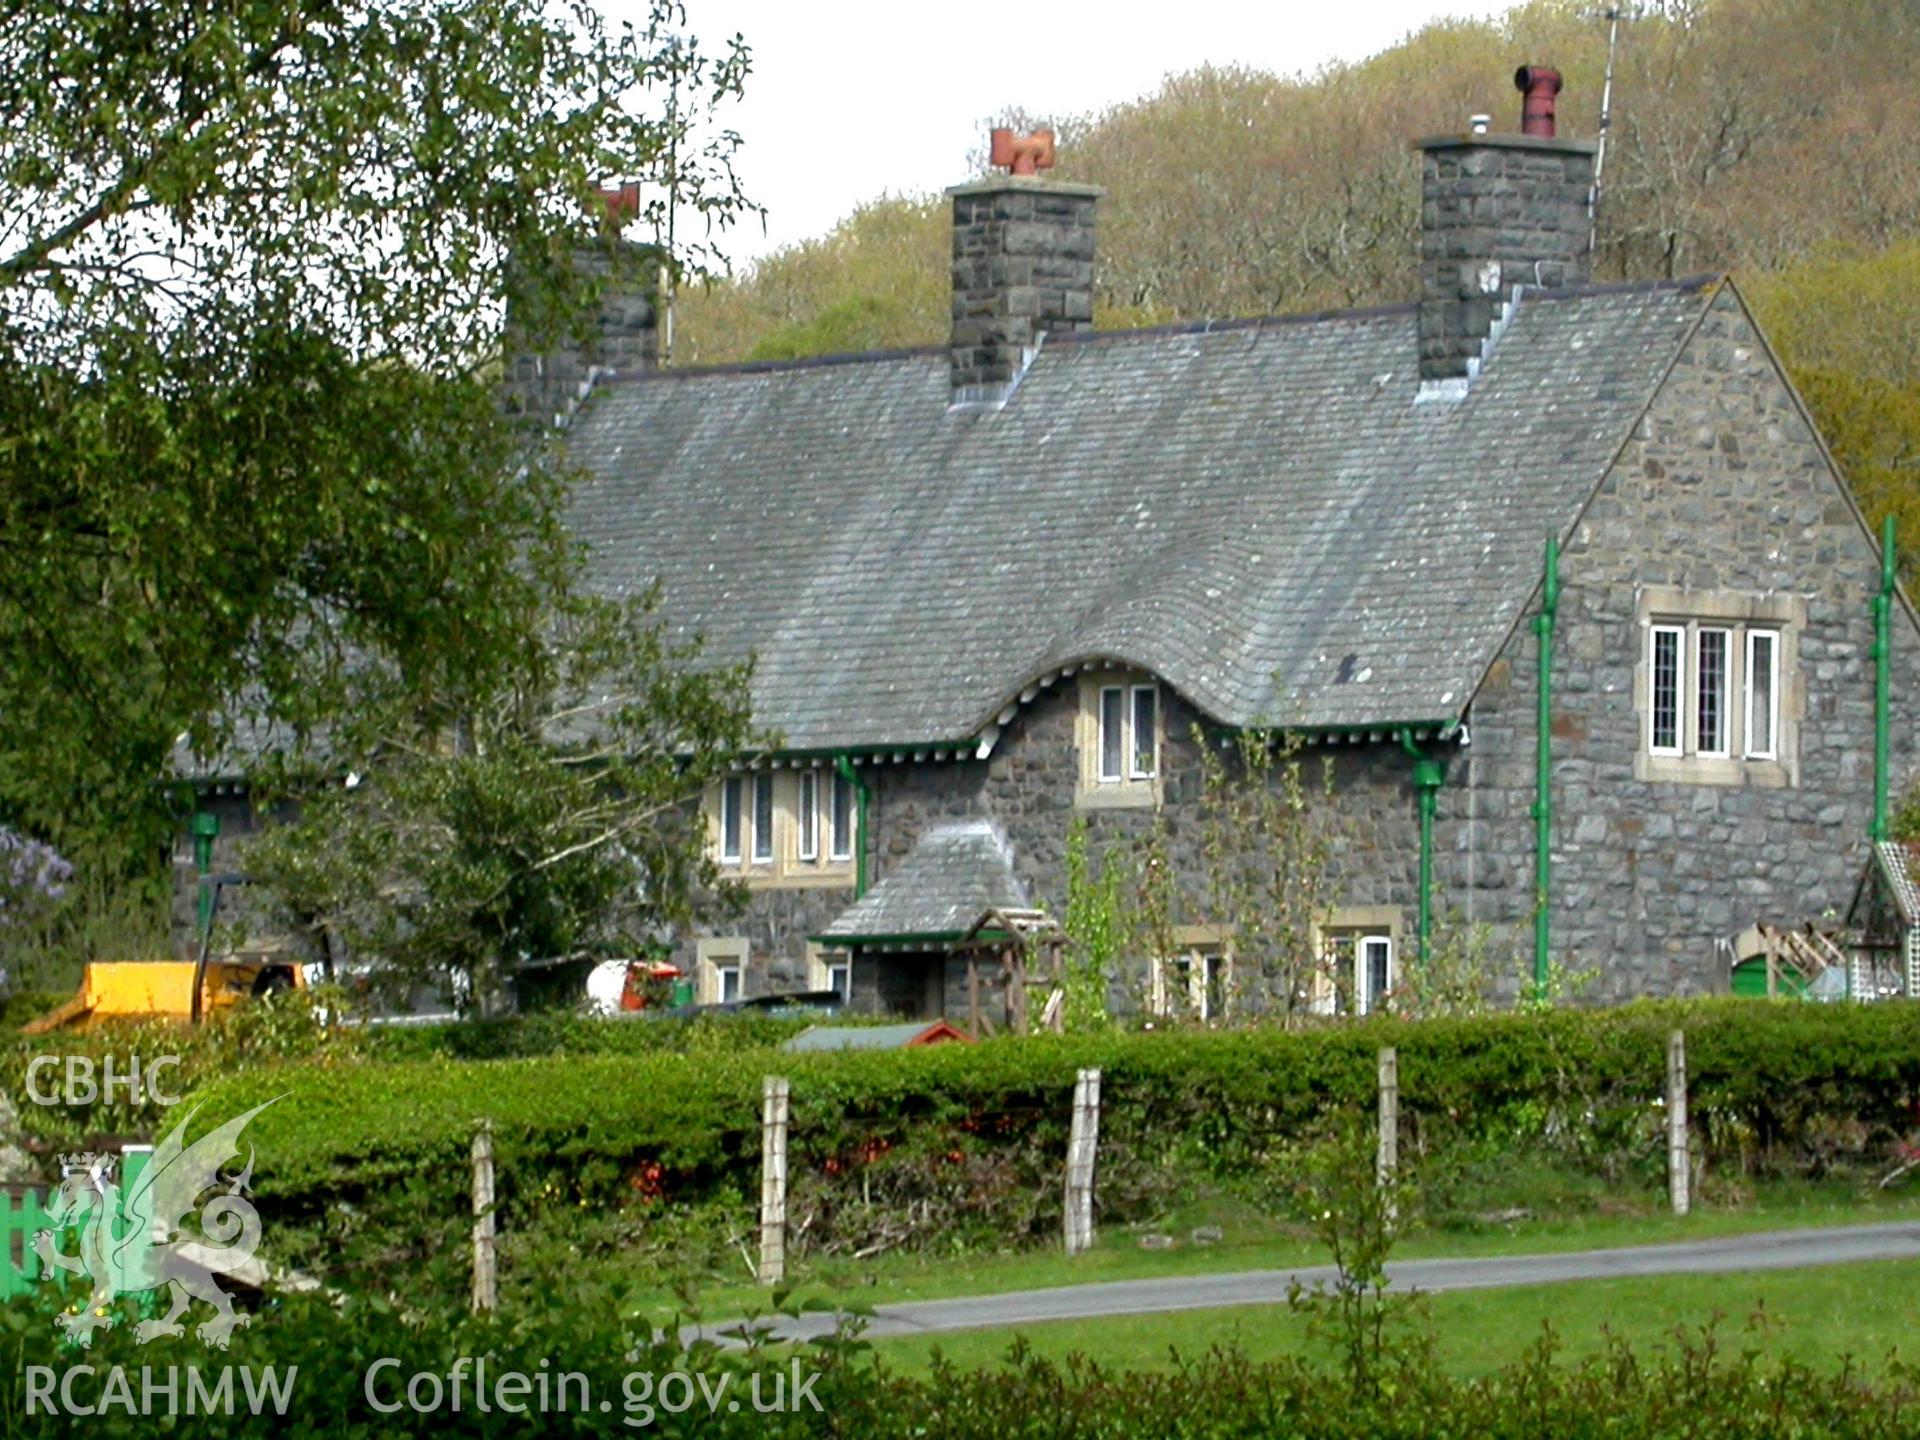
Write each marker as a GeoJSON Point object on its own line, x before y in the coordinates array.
{"type": "Point", "coordinates": [1543, 777]}
{"type": "Point", "coordinates": [1882, 658]}
{"type": "Point", "coordinates": [1428, 776]}
{"type": "Point", "coordinates": [843, 767]}
{"type": "Point", "coordinates": [1386, 728]}
{"type": "Point", "coordinates": [932, 749]}
{"type": "Point", "coordinates": [205, 828]}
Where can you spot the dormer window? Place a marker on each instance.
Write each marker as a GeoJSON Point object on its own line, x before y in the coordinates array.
{"type": "Point", "coordinates": [1119, 740]}
{"type": "Point", "coordinates": [783, 828]}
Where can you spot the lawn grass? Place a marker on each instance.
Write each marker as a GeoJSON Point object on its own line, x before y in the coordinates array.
{"type": "Point", "coordinates": [1251, 1241]}
{"type": "Point", "coordinates": [1819, 1315]}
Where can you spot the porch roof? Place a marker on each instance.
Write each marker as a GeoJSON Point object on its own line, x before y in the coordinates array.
{"type": "Point", "coordinates": [956, 873]}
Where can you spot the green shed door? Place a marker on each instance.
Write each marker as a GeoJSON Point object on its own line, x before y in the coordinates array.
{"type": "Point", "coordinates": [1750, 979]}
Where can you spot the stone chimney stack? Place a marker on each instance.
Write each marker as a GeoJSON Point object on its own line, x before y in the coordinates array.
{"type": "Point", "coordinates": [1498, 212]}
{"type": "Point", "coordinates": [1022, 268]}
{"type": "Point", "coordinates": [623, 338]}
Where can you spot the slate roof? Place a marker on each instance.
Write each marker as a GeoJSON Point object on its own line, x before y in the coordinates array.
{"type": "Point", "coordinates": [1897, 864]}
{"type": "Point", "coordinates": [1258, 512]}
{"type": "Point", "coordinates": [954, 875]}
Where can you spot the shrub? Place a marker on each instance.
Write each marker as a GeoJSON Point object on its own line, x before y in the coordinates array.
{"type": "Point", "coordinates": [1699, 1385]}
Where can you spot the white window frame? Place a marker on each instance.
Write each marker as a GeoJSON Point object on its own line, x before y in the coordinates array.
{"type": "Point", "coordinates": [1364, 1001]}
{"type": "Point", "coordinates": [1132, 733]}
{"type": "Point", "coordinates": [807, 816]}
{"type": "Point", "coordinates": [1119, 772]}
{"type": "Point", "coordinates": [1172, 977]}
{"type": "Point", "coordinates": [1661, 610]}
{"type": "Point", "coordinates": [1207, 960]}
{"type": "Point", "coordinates": [1723, 750]}
{"type": "Point", "coordinates": [1339, 986]}
{"type": "Point", "coordinates": [761, 845]}
{"type": "Point", "coordinates": [1772, 749]}
{"type": "Point", "coordinates": [1680, 706]}
{"type": "Point", "coordinates": [841, 841]}
{"type": "Point", "coordinates": [1184, 973]}
{"type": "Point", "coordinates": [733, 786]}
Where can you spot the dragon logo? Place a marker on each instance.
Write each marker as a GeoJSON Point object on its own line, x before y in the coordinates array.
{"type": "Point", "coordinates": [131, 1243]}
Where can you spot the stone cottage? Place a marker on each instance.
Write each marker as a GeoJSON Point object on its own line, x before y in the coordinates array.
{"type": "Point", "coordinates": [1012, 581]}
{"type": "Point", "coordinates": [1001, 585]}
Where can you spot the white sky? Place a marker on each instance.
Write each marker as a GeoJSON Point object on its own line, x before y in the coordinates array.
{"type": "Point", "coordinates": [851, 99]}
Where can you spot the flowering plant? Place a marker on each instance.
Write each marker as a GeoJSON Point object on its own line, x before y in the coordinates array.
{"type": "Point", "coordinates": [33, 878]}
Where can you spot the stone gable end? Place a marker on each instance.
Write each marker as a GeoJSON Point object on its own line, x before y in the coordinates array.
{"type": "Point", "coordinates": [1722, 490]}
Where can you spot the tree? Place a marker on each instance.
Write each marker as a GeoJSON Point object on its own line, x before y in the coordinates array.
{"type": "Point", "coordinates": [1848, 327]}
{"type": "Point", "coordinates": [878, 280]}
{"type": "Point", "coordinates": [251, 275]}
{"type": "Point", "coordinates": [1095, 918]}
{"type": "Point", "coordinates": [1747, 135]}
{"type": "Point", "coordinates": [555, 821]}
{"type": "Point", "coordinates": [1267, 853]}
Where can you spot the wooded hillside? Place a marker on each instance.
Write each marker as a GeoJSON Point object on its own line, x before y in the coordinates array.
{"type": "Point", "coordinates": [1777, 139]}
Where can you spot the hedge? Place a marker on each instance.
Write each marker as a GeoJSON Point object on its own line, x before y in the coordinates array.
{"type": "Point", "coordinates": [560, 1032]}
{"type": "Point", "coordinates": [287, 1029]}
{"type": "Point", "coordinates": [958, 1144]}
{"type": "Point", "coordinates": [1699, 1386]}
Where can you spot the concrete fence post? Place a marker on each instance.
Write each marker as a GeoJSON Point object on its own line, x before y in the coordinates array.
{"type": "Point", "coordinates": [1388, 1159]}
{"type": "Point", "coordinates": [1083, 1139]}
{"type": "Point", "coordinates": [1679, 1161]}
{"type": "Point", "coordinates": [486, 1281]}
{"type": "Point", "coordinates": [773, 1180]}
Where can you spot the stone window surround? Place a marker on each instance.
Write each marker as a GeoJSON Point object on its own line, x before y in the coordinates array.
{"type": "Point", "coordinates": [1191, 942]}
{"type": "Point", "coordinates": [1361, 922]}
{"type": "Point", "coordinates": [714, 954]}
{"type": "Point", "coordinates": [1736, 611]}
{"type": "Point", "coordinates": [786, 870]}
{"type": "Point", "coordinates": [1091, 792]}
{"type": "Point", "coordinates": [822, 960]}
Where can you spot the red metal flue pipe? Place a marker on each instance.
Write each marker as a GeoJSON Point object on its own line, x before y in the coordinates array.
{"type": "Point", "coordinates": [1538, 84]}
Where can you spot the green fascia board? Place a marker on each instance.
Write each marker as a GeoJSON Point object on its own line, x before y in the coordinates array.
{"type": "Point", "coordinates": [936, 937]}
{"type": "Point", "coordinates": [1388, 730]}
{"type": "Point", "coordinates": [1439, 727]}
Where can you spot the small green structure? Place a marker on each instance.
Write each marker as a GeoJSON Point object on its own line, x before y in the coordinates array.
{"type": "Point", "coordinates": [1883, 925]}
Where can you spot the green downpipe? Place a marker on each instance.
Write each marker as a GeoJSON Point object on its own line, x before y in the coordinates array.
{"type": "Point", "coordinates": [1543, 777]}
{"type": "Point", "coordinates": [205, 828]}
{"type": "Point", "coordinates": [1882, 665]}
{"type": "Point", "coordinates": [1428, 776]}
{"type": "Point", "coordinates": [843, 767]}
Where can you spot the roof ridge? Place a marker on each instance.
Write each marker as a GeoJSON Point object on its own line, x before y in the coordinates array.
{"type": "Point", "coordinates": [1686, 283]}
